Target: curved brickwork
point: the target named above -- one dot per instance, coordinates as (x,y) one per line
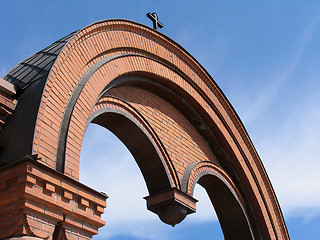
(180,139)
(111,104)
(221,189)
(196,170)
(200,123)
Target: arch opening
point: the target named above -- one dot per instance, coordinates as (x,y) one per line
(107,165)
(126,189)
(141,148)
(154,163)
(233,219)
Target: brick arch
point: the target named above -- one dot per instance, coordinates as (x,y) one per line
(222,191)
(144,144)
(107,57)
(197,170)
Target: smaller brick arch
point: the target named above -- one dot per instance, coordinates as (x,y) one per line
(221,191)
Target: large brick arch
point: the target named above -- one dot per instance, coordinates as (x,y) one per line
(162,104)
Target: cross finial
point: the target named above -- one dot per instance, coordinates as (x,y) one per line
(154,18)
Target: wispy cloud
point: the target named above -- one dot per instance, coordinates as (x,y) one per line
(292,159)
(289,147)
(251,110)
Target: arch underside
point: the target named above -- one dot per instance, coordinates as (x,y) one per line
(234,218)
(140,146)
(107,113)
(165,108)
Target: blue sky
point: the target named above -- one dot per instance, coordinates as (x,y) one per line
(265,56)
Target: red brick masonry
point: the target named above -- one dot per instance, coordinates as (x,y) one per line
(162,104)
(36,198)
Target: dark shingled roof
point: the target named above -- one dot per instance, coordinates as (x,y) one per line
(37,66)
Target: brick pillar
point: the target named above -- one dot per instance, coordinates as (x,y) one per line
(38,202)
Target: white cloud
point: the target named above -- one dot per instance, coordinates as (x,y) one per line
(106,165)
(292,160)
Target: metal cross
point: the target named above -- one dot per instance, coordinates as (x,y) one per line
(154,18)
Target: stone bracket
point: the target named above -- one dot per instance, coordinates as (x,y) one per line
(171,205)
